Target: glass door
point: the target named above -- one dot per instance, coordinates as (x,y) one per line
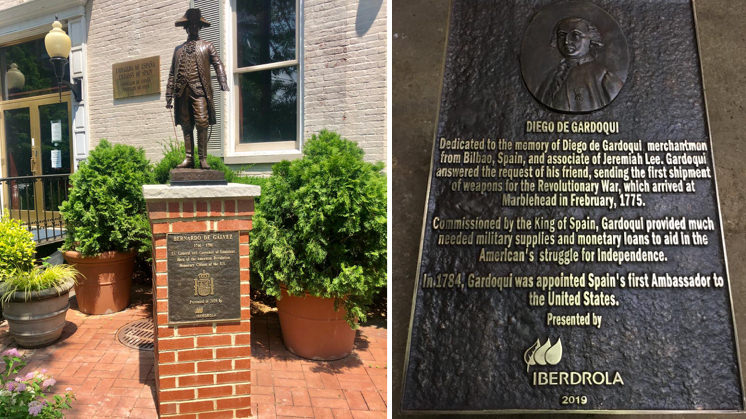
(54,148)
(36,151)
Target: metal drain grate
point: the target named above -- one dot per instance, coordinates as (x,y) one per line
(137,335)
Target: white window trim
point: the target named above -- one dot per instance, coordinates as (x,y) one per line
(35,17)
(268,152)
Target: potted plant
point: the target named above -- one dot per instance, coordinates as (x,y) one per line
(106,225)
(35,303)
(16,248)
(319,244)
(34,298)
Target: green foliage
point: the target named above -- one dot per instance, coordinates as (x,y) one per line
(36,279)
(23,396)
(320,226)
(252,180)
(106,208)
(16,247)
(173,154)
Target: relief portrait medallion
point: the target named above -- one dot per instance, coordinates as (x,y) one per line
(574,57)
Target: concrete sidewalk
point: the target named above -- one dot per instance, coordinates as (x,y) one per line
(111,380)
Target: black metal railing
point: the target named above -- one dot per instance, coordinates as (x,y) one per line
(35,200)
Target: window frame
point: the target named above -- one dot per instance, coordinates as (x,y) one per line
(268,151)
(5,65)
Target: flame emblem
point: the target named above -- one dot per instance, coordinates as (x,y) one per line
(546,354)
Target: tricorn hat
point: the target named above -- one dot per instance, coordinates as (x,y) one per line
(192,15)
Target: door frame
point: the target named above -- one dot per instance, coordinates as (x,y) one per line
(33,104)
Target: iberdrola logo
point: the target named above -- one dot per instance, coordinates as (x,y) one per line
(546,354)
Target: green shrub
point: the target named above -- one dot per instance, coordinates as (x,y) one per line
(173,154)
(320,226)
(252,180)
(16,247)
(106,208)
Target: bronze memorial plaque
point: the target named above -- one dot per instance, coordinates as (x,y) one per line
(572,253)
(203,277)
(137,78)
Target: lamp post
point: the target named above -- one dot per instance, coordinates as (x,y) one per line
(14,79)
(58,47)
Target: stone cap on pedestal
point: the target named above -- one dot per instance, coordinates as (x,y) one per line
(231,190)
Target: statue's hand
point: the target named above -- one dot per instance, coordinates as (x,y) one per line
(224,87)
(169,105)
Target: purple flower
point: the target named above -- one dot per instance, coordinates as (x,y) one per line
(12,352)
(11,385)
(34,408)
(49,382)
(21,387)
(30,375)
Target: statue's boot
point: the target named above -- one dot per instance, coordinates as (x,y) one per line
(202,147)
(188,162)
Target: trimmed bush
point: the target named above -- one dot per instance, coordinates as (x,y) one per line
(106,208)
(17,247)
(173,154)
(320,226)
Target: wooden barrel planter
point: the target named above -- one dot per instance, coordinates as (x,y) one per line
(38,320)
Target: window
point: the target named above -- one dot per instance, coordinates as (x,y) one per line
(266,72)
(25,71)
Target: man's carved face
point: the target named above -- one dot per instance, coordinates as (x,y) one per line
(573,39)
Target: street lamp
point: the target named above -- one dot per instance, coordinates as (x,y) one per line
(14,79)
(58,47)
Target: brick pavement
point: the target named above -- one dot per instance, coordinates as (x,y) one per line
(284,385)
(113,381)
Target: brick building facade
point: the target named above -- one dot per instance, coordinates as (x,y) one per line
(328,58)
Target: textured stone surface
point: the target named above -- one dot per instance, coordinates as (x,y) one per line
(231,190)
(469,344)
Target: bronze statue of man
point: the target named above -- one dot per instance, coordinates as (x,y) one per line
(189,91)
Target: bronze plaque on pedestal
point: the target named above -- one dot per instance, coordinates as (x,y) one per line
(204,283)
(137,78)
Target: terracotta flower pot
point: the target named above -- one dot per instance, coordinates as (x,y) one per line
(39,320)
(312,329)
(104,282)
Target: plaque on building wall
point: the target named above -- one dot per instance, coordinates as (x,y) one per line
(572,254)
(137,78)
(203,277)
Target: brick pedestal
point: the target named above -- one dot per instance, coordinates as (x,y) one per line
(202,370)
